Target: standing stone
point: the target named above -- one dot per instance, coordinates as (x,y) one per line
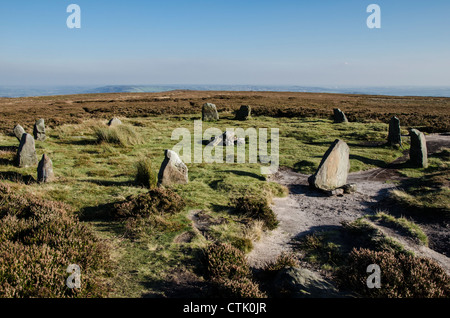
(209,112)
(333,169)
(18,132)
(228,138)
(114,122)
(45,170)
(298,282)
(339,116)
(39,130)
(26,154)
(172,170)
(394,136)
(244,112)
(418,153)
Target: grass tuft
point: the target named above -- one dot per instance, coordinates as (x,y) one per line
(119,135)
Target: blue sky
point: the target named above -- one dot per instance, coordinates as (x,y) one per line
(283,42)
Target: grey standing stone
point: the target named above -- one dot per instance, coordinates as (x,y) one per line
(26,154)
(209,112)
(394,135)
(333,169)
(45,170)
(18,132)
(418,153)
(228,138)
(240,141)
(172,170)
(339,116)
(114,122)
(297,282)
(39,130)
(244,112)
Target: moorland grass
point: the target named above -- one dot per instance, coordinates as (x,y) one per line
(92,177)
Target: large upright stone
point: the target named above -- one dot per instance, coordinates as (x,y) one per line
(333,169)
(18,132)
(394,135)
(45,170)
(39,130)
(209,112)
(244,112)
(26,154)
(114,122)
(418,153)
(172,170)
(339,116)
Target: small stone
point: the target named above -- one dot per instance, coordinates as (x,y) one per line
(418,153)
(114,122)
(18,132)
(45,170)
(244,112)
(172,170)
(335,192)
(349,188)
(26,154)
(209,112)
(339,116)
(39,130)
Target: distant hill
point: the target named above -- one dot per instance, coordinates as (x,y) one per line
(25,91)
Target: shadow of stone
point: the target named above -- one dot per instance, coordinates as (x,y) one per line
(6,162)
(177,289)
(319,143)
(370,144)
(246,174)
(306,190)
(298,166)
(79,142)
(108,183)
(220,208)
(9,148)
(179,281)
(102,212)
(315,229)
(369,161)
(17,177)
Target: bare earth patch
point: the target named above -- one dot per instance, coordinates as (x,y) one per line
(306,210)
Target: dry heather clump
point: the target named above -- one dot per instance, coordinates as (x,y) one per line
(157,201)
(227,268)
(284,260)
(402,275)
(151,210)
(39,239)
(257,208)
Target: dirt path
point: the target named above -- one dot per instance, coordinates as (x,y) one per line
(306,210)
